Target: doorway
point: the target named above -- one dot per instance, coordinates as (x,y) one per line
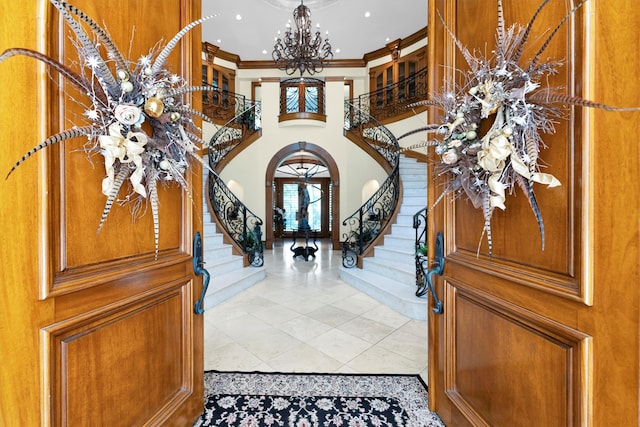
(306,159)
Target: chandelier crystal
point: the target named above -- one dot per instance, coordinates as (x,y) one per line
(297,49)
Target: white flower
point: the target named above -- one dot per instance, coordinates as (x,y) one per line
(450,157)
(127,114)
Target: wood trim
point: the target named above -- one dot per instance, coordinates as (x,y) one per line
(334,173)
(401,44)
(301,116)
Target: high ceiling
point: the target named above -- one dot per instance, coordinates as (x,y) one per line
(350,31)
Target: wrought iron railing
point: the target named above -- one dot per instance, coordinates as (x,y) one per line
(366,224)
(393,100)
(245,123)
(421,259)
(241,225)
(221,105)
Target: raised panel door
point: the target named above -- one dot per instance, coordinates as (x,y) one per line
(103,330)
(536,334)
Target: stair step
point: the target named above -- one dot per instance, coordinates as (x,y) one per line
(403,230)
(223,265)
(401,272)
(225,286)
(398,296)
(222,251)
(212,240)
(394,241)
(415,192)
(392,253)
(407,184)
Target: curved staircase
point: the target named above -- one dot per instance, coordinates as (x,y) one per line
(389,275)
(228,275)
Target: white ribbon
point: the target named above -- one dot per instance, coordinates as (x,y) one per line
(496,148)
(126,150)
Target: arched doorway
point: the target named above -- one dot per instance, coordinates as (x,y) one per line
(334,175)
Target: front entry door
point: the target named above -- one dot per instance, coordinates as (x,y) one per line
(94,329)
(532,336)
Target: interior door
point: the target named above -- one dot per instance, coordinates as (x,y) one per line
(532,336)
(95,330)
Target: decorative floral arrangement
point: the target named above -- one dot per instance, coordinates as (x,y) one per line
(124,94)
(513,103)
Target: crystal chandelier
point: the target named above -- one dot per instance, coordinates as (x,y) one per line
(298,50)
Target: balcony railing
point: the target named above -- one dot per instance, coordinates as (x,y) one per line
(371,219)
(241,126)
(393,100)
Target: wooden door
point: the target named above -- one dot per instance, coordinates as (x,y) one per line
(94,330)
(533,337)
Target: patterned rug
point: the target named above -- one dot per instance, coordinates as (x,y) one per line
(305,400)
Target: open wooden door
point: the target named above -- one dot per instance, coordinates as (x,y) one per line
(533,337)
(94,330)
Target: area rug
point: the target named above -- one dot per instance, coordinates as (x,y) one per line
(306,400)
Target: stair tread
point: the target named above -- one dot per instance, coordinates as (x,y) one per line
(408,267)
(397,289)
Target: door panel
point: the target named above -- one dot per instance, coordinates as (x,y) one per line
(152,335)
(105,333)
(492,346)
(545,335)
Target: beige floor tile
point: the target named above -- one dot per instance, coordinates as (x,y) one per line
(302,305)
(331,315)
(243,328)
(366,329)
(386,315)
(230,357)
(409,345)
(304,358)
(304,328)
(339,345)
(214,338)
(269,345)
(275,314)
(378,360)
(357,304)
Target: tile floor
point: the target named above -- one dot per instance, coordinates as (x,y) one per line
(304,318)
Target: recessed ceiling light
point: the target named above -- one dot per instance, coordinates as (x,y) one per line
(219,41)
(338,50)
(238,17)
(264,51)
(387,39)
(367,14)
